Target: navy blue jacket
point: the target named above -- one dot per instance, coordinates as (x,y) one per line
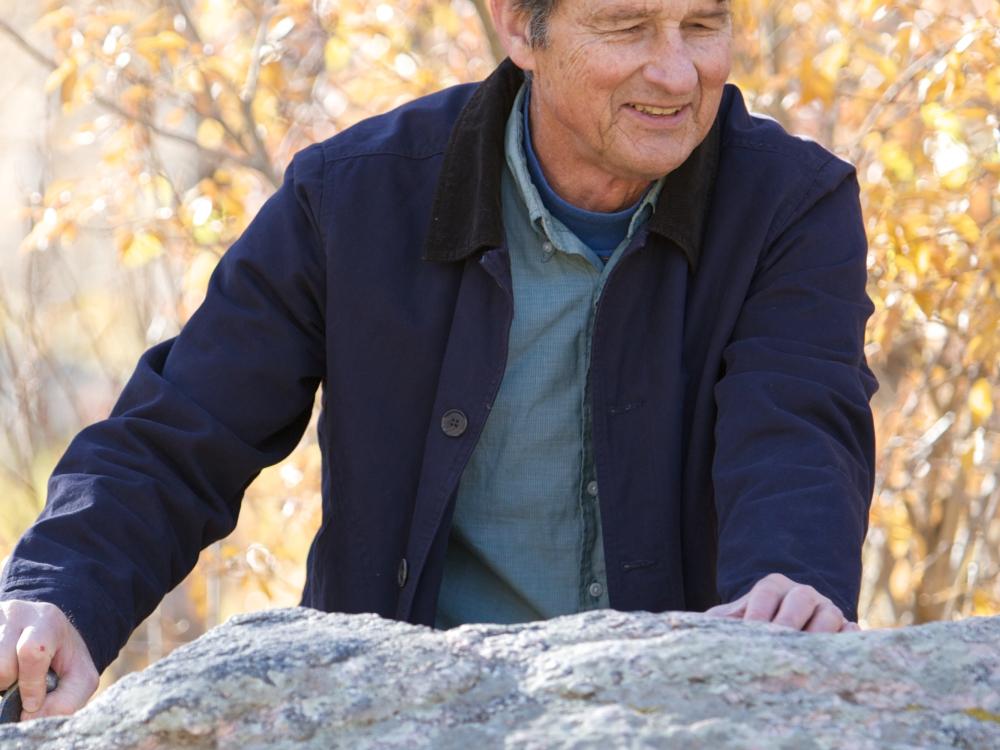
(732,432)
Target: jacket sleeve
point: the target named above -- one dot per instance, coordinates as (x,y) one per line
(795,450)
(137,496)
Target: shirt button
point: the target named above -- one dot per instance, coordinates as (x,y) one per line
(454,423)
(548,249)
(592,488)
(595,590)
(402,573)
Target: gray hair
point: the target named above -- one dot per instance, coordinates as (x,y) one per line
(538,12)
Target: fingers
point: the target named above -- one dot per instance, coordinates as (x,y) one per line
(765,598)
(35,649)
(850,627)
(8,651)
(74,689)
(827,619)
(778,599)
(35,637)
(802,605)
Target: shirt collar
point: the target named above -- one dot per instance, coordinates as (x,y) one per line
(515,143)
(466,215)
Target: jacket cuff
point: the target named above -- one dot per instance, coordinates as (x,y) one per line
(87,608)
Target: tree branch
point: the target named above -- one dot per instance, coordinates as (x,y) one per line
(247,95)
(483,10)
(31,50)
(892,92)
(138,119)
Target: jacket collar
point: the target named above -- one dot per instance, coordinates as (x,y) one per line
(467,216)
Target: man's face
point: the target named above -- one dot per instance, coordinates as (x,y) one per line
(627,88)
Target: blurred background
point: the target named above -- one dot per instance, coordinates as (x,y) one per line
(138,138)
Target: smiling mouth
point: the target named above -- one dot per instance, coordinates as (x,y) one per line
(656,111)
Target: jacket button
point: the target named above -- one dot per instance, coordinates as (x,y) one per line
(454,423)
(402,573)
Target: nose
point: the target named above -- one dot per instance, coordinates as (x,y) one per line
(670,65)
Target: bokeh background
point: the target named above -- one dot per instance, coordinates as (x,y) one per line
(138,137)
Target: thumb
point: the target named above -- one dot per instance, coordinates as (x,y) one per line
(75,687)
(78,680)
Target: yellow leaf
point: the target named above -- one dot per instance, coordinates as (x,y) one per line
(941,119)
(993,84)
(966,227)
(144,247)
(957,178)
(68,89)
(814,85)
(922,258)
(925,301)
(336,54)
(171,40)
(150,23)
(900,583)
(897,161)
(58,76)
(830,61)
(885,64)
(210,134)
(981,401)
(60,18)
(446,18)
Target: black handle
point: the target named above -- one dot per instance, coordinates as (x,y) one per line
(10,704)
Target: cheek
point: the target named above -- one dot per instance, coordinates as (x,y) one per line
(714,63)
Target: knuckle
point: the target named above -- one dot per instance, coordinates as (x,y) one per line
(30,656)
(803,591)
(49,615)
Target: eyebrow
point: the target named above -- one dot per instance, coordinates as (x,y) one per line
(631,12)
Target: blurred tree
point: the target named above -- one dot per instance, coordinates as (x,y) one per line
(196,105)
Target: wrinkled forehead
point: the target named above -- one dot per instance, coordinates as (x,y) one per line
(638,8)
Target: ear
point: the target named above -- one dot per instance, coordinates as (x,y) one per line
(511,25)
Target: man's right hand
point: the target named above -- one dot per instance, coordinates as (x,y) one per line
(35,636)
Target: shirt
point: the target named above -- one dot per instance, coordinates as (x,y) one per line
(526,538)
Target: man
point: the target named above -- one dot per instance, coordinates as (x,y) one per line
(588,339)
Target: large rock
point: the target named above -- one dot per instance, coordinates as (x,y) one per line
(298,678)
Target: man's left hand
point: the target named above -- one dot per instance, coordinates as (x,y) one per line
(778,599)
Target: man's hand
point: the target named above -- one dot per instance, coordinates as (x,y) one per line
(33,637)
(778,599)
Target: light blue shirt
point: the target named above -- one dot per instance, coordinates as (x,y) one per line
(526,537)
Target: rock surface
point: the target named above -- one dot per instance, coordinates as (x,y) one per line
(297,678)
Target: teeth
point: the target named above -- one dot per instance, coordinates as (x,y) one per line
(657,110)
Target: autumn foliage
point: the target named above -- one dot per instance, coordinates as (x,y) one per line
(186,111)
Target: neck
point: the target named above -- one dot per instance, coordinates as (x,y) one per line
(580,184)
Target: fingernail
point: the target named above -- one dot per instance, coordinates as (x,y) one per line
(31,705)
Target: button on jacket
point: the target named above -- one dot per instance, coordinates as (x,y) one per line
(728,390)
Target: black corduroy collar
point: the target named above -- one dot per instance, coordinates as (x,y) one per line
(467,216)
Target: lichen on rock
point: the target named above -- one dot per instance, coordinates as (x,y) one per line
(297,678)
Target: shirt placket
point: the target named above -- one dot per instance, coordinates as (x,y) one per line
(592,589)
